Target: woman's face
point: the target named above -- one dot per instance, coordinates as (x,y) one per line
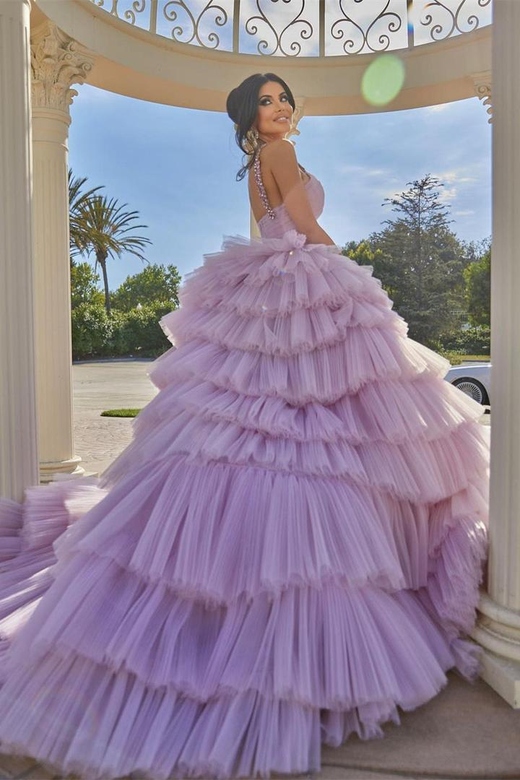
(273,119)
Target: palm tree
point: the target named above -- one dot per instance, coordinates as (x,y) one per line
(105,231)
(77,200)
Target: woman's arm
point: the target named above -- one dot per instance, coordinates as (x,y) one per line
(280,158)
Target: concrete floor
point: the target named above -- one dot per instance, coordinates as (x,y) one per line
(117,384)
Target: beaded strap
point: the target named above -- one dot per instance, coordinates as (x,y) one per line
(261,189)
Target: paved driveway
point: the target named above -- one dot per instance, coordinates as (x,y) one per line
(102,385)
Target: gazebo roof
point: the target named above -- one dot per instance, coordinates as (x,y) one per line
(192,52)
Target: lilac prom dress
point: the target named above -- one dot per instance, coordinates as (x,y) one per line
(288,552)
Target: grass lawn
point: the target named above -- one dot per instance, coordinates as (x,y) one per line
(120,413)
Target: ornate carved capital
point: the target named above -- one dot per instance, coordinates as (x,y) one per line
(57,61)
(483,84)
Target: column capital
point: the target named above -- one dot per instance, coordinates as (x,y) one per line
(483,89)
(57,62)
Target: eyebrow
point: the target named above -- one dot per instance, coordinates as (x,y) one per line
(283,92)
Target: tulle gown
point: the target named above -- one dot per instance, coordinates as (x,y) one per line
(288,552)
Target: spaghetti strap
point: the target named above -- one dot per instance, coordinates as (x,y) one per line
(260,184)
(261,189)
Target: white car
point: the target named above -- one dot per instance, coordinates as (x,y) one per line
(474,380)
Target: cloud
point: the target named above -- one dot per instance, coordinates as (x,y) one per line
(363,170)
(455,176)
(447,194)
(377,172)
(437,109)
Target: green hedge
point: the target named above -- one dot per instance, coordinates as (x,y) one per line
(122,334)
(474,340)
(138,333)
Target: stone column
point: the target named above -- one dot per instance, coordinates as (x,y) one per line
(57,62)
(18,431)
(498,629)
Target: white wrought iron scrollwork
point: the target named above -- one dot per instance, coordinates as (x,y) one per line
(285,31)
(132,11)
(191,30)
(444,18)
(358,32)
(303,28)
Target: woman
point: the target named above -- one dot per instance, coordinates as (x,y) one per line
(290,549)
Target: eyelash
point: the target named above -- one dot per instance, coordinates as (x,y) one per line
(266,101)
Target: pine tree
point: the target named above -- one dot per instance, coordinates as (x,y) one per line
(420,261)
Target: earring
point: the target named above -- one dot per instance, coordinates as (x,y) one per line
(251,141)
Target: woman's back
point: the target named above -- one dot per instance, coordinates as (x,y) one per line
(276,220)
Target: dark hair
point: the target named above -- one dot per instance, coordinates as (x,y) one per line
(242,108)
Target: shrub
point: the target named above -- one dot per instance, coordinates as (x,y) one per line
(141,333)
(474,340)
(92,331)
(95,334)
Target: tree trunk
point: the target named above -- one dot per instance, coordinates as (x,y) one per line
(103,263)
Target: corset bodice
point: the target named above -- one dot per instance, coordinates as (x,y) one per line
(276,227)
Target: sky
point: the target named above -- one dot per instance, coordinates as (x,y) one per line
(177,168)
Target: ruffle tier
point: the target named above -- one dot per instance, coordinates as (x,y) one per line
(153,733)
(392,411)
(27,574)
(419,469)
(288,551)
(317,328)
(301,330)
(217,532)
(151,622)
(274,277)
(323,375)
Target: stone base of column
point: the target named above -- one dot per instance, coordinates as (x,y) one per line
(498,632)
(503,676)
(70,467)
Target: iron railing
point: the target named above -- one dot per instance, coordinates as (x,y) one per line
(303,28)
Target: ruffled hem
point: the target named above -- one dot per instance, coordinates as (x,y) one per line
(164,735)
(85,669)
(319,326)
(300,331)
(27,575)
(418,470)
(277,276)
(393,411)
(301,647)
(158,731)
(177,530)
(226,531)
(324,375)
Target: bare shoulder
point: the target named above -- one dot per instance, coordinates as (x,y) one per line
(280,152)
